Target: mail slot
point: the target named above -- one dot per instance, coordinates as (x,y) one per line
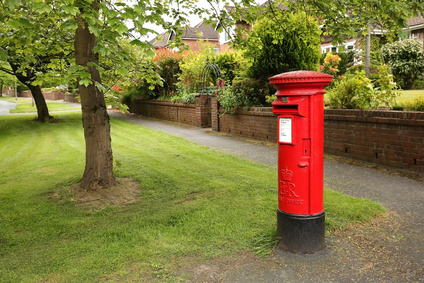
(300,109)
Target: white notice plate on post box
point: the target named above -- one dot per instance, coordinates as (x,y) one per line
(285,130)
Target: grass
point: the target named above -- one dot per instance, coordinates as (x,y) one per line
(408,95)
(25,105)
(195,204)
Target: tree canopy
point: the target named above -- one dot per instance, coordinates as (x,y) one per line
(346,18)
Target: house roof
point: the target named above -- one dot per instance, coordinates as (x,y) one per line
(416,21)
(199,31)
(161,40)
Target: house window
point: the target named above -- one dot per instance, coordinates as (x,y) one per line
(229,31)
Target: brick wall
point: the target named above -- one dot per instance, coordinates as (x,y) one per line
(190,113)
(390,138)
(53,95)
(256,123)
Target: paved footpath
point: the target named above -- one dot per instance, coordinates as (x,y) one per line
(6,106)
(389,249)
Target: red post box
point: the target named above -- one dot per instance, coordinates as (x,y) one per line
(300,109)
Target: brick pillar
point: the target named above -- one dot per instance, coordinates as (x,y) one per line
(202,111)
(214,114)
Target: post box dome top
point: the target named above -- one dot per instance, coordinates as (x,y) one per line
(300,83)
(300,77)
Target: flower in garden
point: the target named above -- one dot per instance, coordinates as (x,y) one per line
(117,88)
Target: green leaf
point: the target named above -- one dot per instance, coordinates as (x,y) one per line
(94,30)
(71,10)
(100,87)
(138,43)
(91,64)
(3,54)
(69,25)
(121,29)
(41,7)
(38,6)
(121,71)
(83,75)
(75,68)
(12,4)
(85,81)
(25,22)
(150,53)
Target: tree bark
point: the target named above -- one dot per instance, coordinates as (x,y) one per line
(98,157)
(40,102)
(42,109)
(367,57)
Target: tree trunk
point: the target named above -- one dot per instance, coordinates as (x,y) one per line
(98,156)
(367,57)
(40,102)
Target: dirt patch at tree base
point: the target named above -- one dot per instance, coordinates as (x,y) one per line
(124,192)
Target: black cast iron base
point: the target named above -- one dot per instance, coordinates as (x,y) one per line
(301,234)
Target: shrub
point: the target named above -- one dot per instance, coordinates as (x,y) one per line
(144,84)
(345,63)
(227,98)
(21,87)
(415,105)
(386,90)
(252,92)
(358,92)
(168,63)
(231,64)
(352,92)
(134,92)
(418,84)
(330,64)
(283,42)
(279,42)
(192,64)
(406,60)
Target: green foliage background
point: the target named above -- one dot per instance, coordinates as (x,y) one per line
(406,60)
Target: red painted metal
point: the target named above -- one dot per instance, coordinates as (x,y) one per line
(300,106)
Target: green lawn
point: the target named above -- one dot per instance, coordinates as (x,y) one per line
(25,105)
(406,95)
(195,204)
